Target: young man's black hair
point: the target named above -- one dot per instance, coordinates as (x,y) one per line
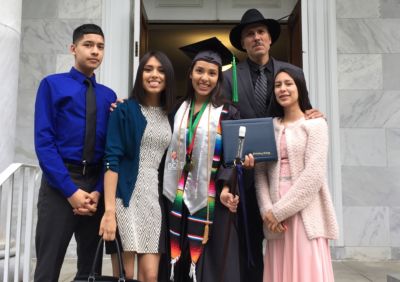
(80,31)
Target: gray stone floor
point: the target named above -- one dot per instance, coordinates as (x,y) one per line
(69,269)
(345,271)
(356,271)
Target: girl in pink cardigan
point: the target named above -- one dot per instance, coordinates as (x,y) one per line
(292,193)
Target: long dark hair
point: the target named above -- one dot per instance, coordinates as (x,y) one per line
(167,98)
(217,99)
(300,82)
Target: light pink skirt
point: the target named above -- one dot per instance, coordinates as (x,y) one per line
(295,258)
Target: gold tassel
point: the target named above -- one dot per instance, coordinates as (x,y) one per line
(205,237)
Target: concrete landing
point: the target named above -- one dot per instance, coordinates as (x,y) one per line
(344,271)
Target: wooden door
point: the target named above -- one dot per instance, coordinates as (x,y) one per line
(140,34)
(295,35)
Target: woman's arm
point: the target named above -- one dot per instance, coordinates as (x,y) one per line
(114,152)
(108,225)
(225,177)
(115,140)
(311,178)
(262,188)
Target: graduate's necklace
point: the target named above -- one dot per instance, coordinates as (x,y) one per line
(187,167)
(192,129)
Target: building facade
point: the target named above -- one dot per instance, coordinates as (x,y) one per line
(351,59)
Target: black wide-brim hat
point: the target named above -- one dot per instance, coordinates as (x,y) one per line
(253,16)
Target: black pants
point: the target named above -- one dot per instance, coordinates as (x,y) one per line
(56,225)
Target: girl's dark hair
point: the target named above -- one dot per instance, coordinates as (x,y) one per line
(217,99)
(300,82)
(167,98)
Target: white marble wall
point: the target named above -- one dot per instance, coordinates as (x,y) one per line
(368,38)
(10,37)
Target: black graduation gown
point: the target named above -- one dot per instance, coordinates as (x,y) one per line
(212,260)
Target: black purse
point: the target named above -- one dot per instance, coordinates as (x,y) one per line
(93,277)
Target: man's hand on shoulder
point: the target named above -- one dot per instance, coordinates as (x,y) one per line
(313,113)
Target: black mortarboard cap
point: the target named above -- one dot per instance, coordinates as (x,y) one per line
(211,50)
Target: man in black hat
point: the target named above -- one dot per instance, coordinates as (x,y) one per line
(255,77)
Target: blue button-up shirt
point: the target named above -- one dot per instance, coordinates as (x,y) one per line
(60,118)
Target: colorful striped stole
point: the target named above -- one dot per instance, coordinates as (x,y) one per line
(197,223)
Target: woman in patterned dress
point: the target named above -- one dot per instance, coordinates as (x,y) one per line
(292,193)
(139,132)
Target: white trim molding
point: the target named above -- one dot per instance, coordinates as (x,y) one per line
(137,13)
(320,67)
(179,3)
(256,3)
(116,23)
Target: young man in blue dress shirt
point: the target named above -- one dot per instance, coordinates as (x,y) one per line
(69,197)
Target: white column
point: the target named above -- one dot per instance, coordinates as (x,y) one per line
(10,37)
(116,68)
(320,68)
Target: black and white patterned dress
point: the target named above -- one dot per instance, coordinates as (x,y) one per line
(140,225)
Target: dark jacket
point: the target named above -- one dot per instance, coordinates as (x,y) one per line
(247,102)
(247,109)
(126,126)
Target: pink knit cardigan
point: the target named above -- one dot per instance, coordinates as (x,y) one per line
(307,146)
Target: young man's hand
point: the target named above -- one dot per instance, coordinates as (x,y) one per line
(91,204)
(78,199)
(84,203)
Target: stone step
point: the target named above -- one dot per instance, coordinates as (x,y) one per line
(393,277)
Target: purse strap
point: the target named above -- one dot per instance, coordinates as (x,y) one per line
(92,277)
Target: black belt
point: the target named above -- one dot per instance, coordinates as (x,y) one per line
(83,168)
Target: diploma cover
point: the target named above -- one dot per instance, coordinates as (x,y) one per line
(259,139)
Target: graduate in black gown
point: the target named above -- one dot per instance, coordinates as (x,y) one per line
(196,182)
